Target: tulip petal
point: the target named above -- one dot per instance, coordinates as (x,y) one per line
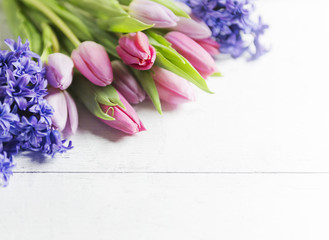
(56,99)
(84,69)
(152,13)
(73,119)
(97,60)
(171,87)
(59,70)
(192,28)
(125,120)
(142,42)
(128,44)
(193,52)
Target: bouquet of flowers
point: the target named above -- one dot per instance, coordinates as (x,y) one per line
(109,54)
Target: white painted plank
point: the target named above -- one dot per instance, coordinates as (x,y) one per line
(165,206)
(269,115)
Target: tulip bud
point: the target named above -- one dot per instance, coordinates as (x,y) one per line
(59,70)
(193,28)
(193,52)
(172,88)
(126,120)
(65,117)
(126,84)
(92,60)
(210,45)
(134,49)
(151,13)
(108,105)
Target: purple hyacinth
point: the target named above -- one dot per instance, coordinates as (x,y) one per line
(25,116)
(230,21)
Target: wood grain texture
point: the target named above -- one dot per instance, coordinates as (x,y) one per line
(165,206)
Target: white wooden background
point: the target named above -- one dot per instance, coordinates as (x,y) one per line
(249,162)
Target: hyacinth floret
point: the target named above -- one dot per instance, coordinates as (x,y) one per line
(25,116)
(230,21)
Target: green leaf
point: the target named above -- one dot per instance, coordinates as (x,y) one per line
(123,24)
(186,71)
(147,82)
(10,8)
(125,2)
(76,25)
(92,96)
(173,7)
(33,35)
(20,26)
(47,38)
(170,59)
(111,16)
(108,40)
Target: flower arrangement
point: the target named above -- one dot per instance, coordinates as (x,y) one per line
(108,54)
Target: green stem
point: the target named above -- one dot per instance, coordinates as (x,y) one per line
(55,19)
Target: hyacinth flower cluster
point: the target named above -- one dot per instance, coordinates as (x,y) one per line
(231,21)
(25,115)
(109,55)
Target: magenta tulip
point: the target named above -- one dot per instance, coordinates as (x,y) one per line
(134,49)
(126,120)
(65,117)
(193,52)
(59,70)
(172,88)
(92,60)
(151,13)
(210,45)
(126,84)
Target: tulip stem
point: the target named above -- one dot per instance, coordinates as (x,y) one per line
(55,19)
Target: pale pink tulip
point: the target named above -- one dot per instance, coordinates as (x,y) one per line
(125,120)
(65,117)
(172,88)
(126,84)
(92,60)
(210,45)
(59,70)
(73,119)
(151,13)
(193,28)
(134,49)
(193,52)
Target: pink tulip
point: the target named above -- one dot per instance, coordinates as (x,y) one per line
(172,88)
(193,28)
(151,13)
(65,117)
(125,120)
(134,49)
(193,52)
(210,45)
(126,84)
(92,61)
(59,70)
